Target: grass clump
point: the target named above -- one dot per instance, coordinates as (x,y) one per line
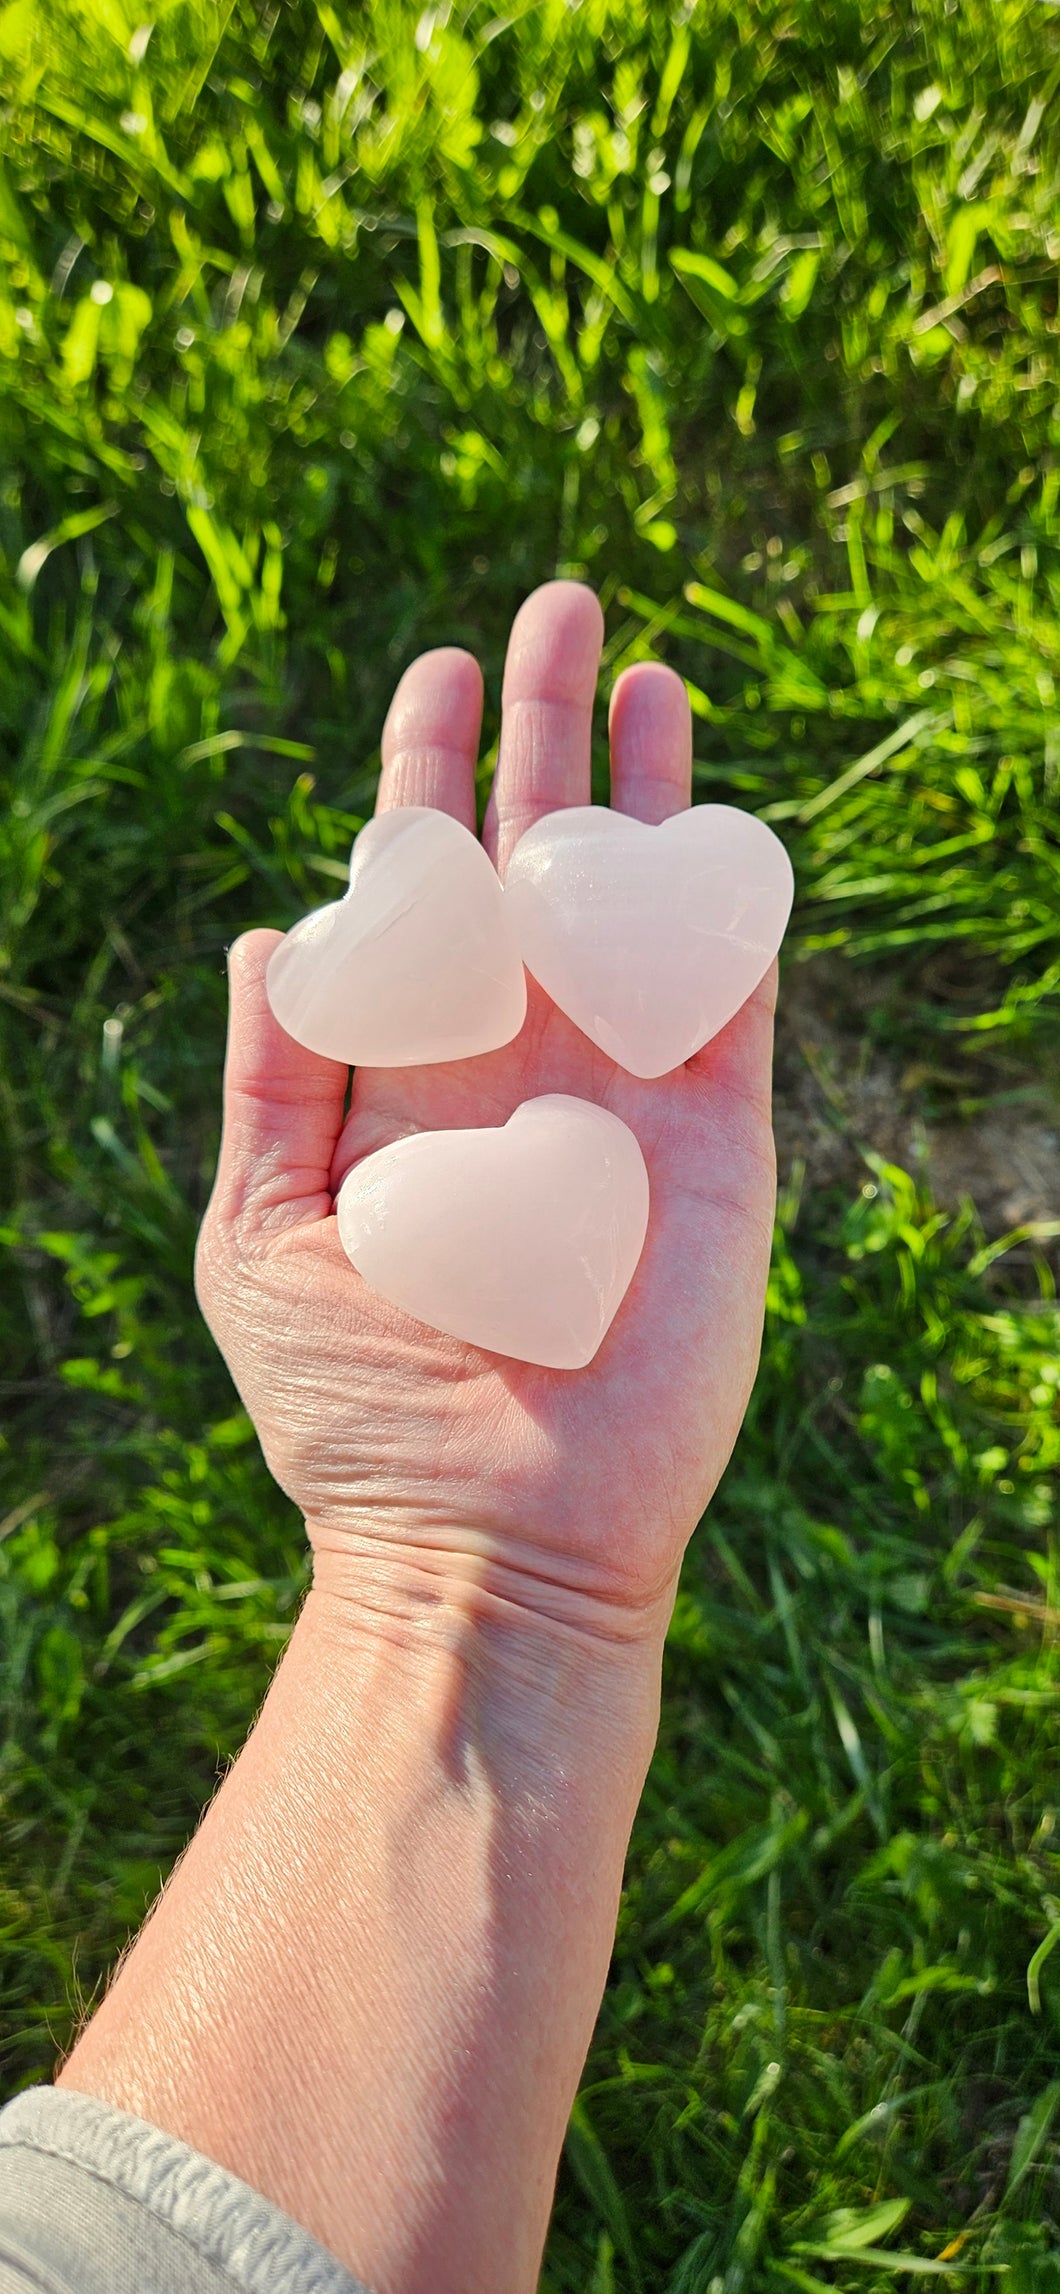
(323,336)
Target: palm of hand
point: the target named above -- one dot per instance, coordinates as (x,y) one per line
(575,1490)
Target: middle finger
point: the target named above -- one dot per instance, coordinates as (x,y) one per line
(547,712)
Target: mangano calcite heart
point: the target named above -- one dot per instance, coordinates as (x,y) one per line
(648,938)
(522,1239)
(417,962)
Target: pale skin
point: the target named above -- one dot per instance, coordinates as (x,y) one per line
(371,1984)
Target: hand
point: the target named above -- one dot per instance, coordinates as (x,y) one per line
(416,1458)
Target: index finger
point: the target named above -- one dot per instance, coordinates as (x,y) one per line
(431,734)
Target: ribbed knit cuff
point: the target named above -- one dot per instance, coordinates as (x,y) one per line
(91,2197)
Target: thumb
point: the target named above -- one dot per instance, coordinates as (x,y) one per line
(282,1107)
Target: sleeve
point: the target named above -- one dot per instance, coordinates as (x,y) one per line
(93,2201)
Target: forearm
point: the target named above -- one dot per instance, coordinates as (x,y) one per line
(370,1986)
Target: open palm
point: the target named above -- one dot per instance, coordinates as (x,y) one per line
(570,1493)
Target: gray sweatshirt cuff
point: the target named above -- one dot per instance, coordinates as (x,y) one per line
(93,2201)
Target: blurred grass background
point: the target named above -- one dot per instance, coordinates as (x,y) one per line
(326,331)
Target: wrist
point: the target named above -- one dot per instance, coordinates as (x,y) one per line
(413,1574)
(528,1686)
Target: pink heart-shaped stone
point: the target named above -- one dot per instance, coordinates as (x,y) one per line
(417,962)
(649,938)
(522,1239)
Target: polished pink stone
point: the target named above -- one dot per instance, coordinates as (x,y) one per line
(522,1239)
(417,962)
(649,939)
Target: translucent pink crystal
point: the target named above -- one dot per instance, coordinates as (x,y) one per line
(523,1240)
(649,938)
(417,962)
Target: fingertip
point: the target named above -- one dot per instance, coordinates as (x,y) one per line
(247,958)
(648,684)
(445,682)
(555,644)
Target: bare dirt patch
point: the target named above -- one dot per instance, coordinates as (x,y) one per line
(977,1125)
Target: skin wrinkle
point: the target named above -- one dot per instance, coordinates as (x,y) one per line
(302,1440)
(413,775)
(535,735)
(483,1586)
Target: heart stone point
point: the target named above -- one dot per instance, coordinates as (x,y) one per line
(417,962)
(521,1239)
(650,939)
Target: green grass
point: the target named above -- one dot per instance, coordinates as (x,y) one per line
(324,334)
